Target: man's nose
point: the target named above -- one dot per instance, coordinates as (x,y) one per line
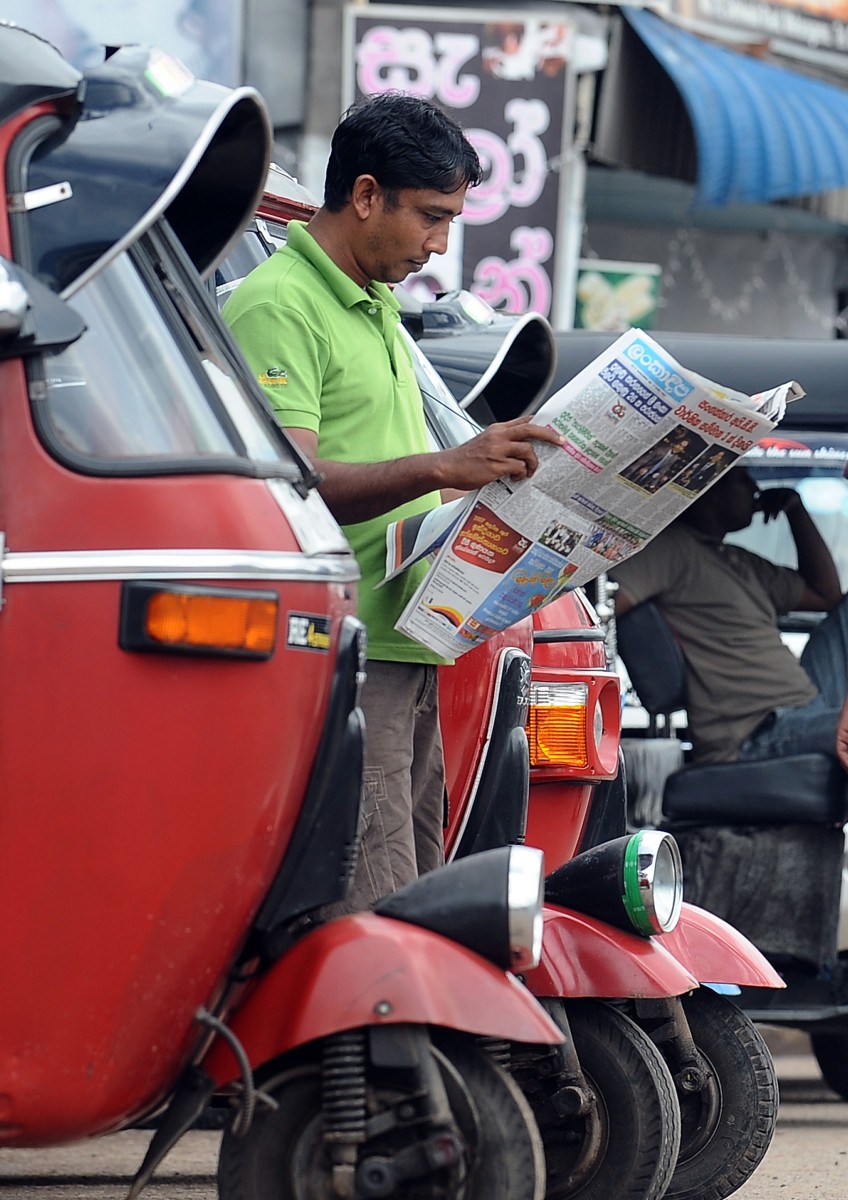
(437,240)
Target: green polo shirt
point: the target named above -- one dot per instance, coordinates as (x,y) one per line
(330,358)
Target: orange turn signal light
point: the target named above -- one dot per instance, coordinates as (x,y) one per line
(222,621)
(199,620)
(557,725)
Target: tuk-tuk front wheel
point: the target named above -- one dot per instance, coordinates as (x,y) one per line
(626,1145)
(285,1156)
(727,1126)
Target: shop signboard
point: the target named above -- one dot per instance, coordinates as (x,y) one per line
(509,83)
(817,25)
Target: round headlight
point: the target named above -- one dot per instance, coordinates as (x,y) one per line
(653,881)
(490,902)
(634,882)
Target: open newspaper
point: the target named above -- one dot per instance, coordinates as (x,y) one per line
(643,437)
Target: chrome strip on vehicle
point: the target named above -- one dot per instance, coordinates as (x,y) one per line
(56,566)
(568,635)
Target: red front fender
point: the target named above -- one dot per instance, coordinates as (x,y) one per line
(716,952)
(585,957)
(370,970)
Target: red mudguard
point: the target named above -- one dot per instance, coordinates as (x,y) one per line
(369,970)
(585,957)
(716,952)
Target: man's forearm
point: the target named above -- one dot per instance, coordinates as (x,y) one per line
(815,563)
(356,492)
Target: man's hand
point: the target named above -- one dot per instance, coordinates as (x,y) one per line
(842,736)
(505,448)
(773,501)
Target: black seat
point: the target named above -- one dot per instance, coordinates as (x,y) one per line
(801,789)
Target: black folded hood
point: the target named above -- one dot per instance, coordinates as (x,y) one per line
(146,139)
(31,71)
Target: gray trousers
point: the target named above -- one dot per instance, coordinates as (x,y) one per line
(403,794)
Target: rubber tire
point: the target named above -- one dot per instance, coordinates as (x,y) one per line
(508,1159)
(831,1053)
(636,1106)
(738,1135)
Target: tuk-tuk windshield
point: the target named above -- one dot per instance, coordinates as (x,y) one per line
(150,387)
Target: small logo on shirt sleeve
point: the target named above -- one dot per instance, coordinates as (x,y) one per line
(274,377)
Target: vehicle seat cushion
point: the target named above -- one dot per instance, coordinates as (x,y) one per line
(803,789)
(653,658)
(779,885)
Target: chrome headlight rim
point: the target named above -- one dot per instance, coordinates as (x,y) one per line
(525,903)
(653,882)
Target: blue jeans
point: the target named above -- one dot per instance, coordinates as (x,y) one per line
(812,727)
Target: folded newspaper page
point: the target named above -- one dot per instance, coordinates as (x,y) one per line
(416,537)
(643,437)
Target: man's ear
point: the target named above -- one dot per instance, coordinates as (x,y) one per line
(365,196)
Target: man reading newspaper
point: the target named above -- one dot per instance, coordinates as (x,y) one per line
(748,696)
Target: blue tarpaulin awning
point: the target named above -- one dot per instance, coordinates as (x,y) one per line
(762,132)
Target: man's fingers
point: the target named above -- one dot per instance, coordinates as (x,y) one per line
(544,433)
(527,430)
(523,463)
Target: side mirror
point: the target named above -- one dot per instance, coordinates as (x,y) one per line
(32,318)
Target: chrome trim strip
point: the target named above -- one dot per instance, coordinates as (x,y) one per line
(568,635)
(57,566)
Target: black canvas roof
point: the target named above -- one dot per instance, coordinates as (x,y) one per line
(742,363)
(144,139)
(31,70)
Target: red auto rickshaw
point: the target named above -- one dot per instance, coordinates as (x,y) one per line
(173,826)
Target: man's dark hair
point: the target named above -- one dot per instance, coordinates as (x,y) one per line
(404,142)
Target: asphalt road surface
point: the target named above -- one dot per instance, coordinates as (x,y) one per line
(808,1159)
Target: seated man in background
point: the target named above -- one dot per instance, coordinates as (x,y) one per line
(749,697)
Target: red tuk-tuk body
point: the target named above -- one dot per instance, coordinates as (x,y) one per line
(180,763)
(127,843)
(159,753)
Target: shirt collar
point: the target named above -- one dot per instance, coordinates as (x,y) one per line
(707,539)
(344,288)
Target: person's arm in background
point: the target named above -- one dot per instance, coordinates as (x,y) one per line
(621,601)
(842,736)
(815,562)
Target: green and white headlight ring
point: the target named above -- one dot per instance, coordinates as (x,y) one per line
(653,881)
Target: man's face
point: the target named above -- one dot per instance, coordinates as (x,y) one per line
(399,238)
(735,498)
